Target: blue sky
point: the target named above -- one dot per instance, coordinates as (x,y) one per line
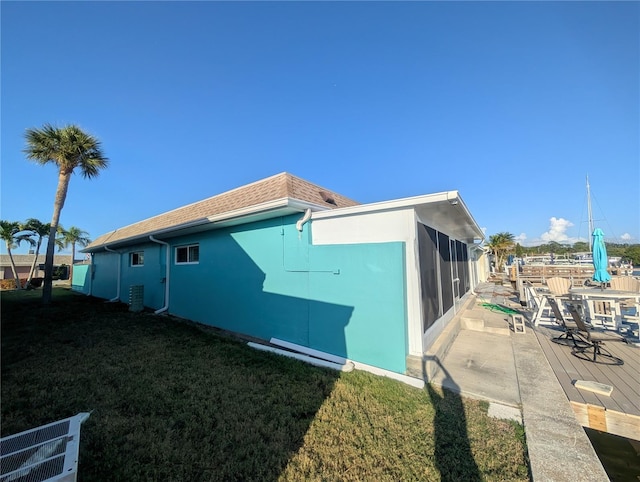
(511,103)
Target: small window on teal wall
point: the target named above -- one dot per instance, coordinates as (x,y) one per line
(188,254)
(136,258)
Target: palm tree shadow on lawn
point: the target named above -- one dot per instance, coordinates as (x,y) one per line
(453,456)
(170,401)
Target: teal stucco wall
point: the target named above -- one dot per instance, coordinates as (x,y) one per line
(265,279)
(81,278)
(151,274)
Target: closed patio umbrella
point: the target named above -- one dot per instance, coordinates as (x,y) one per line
(600,260)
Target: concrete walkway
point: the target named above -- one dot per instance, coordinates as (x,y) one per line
(488,361)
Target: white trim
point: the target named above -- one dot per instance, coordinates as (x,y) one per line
(309,351)
(305,358)
(408,202)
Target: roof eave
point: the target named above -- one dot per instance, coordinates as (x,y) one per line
(270,209)
(448,205)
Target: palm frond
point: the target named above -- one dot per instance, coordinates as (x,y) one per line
(68,147)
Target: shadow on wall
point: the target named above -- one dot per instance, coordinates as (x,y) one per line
(247,283)
(452,447)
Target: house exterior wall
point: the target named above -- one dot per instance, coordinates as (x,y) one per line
(81,279)
(151,274)
(382,227)
(105,275)
(388,226)
(22,271)
(266,279)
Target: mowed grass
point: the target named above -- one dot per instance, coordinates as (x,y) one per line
(173,402)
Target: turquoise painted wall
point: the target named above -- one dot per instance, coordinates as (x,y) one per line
(81,278)
(105,272)
(267,280)
(151,274)
(371,280)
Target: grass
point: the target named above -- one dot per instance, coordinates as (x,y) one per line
(172,402)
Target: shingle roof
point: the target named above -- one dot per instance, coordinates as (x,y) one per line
(280,186)
(27,259)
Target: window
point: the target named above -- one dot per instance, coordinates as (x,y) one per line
(136,258)
(188,254)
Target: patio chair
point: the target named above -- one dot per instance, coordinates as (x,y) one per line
(571,331)
(603,311)
(629,309)
(625,283)
(537,302)
(559,288)
(596,341)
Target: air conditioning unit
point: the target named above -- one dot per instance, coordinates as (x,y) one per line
(46,453)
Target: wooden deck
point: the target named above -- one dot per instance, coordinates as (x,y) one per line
(618,413)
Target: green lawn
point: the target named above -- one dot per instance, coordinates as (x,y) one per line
(173,402)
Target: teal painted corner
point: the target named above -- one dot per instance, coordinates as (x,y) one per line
(81,281)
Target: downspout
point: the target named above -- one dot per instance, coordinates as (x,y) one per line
(91,268)
(304,219)
(166,276)
(117,297)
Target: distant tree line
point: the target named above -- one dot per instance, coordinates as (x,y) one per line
(503,244)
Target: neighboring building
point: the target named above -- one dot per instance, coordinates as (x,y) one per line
(23,264)
(285,258)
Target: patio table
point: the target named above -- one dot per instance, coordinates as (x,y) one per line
(590,295)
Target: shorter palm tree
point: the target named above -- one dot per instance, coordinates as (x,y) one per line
(13,234)
(39,230)
(501,244)
(73,236)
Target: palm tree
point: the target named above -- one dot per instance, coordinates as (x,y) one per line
(68,148)
(12,234)
(73,236)
(40,230)
(501,244)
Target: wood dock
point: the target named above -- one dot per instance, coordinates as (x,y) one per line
(539,274)
(617,413)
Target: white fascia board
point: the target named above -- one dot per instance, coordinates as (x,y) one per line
(451,198)
(387,205)
(238,216)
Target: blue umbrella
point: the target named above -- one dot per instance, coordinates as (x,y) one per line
(600,260)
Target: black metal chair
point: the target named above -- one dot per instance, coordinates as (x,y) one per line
(571,331)
(596,340)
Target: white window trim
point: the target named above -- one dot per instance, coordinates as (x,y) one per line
(186,246)
(131,259)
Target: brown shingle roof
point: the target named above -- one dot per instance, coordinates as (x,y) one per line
(27,259)
(280,186)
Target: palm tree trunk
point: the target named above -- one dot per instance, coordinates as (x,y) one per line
(35,260)
(13,268)
(61,195)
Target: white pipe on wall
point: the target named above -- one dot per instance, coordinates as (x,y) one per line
(117,297)
(166,276)
(304,219)
(309,359)
(91,274)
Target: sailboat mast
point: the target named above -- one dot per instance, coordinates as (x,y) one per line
(589,214)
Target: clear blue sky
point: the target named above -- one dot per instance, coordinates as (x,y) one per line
(511,103)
